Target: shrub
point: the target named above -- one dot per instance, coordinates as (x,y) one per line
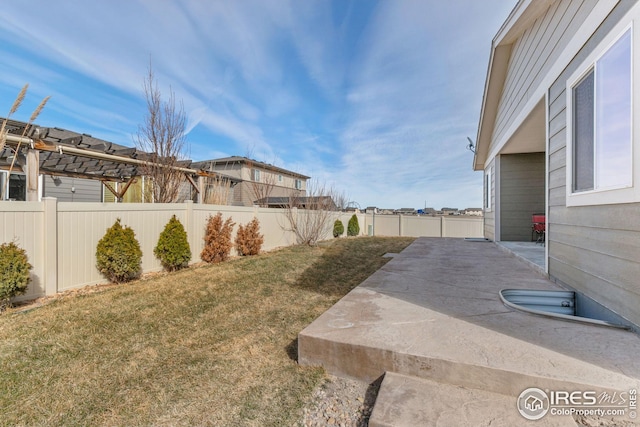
(118,255)
(248,239)
(353,228)
(338,228)
(173,249)
(14,272)
(217,239)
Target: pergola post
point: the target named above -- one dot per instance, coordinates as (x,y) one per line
(32,172)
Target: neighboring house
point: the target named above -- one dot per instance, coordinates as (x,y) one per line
(255,181)
(405,211)
(450,211)
(559,134)
(301,202)
(472,211)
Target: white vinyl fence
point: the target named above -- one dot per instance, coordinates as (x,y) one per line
(61,238)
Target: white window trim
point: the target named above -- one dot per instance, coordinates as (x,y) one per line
(607,196)
(487,190)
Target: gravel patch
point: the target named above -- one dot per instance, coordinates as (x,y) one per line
(340,402)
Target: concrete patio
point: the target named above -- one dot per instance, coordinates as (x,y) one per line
(451,353)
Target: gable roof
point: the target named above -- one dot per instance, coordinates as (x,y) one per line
(225,161)
(521,17)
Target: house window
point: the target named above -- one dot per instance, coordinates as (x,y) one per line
(602,122)
(255,175)
(15,188)
(298,184)
(279,178)
(487,191)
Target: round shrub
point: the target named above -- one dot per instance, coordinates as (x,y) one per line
(353,228)
(173,249)
(217,239)
(248,238)
(118,255)
(338,228)
(14,272)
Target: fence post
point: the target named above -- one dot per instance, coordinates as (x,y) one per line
(189,224)
(399,225)
(50,244)
(442,230)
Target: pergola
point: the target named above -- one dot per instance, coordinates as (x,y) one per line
(59,152)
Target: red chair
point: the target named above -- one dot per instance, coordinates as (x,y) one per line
(538,227)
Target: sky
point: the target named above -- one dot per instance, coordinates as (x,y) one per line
(373,98)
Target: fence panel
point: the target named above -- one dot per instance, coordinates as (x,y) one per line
(462,227)
(22,223)
(81,225)
(61,238)
(420,226)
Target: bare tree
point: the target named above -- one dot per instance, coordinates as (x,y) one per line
(261,184)
(310,217)
(162,135)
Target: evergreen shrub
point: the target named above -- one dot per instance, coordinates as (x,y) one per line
(338,228)
(353,228)
(173,249)
(118,254)
(14,272)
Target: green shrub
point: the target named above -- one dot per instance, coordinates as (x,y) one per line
(14,272)
(217,239)
(118,255)
(338,228)
(353,228)
(173,249)
(248,239)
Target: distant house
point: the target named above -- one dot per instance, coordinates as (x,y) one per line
(256,181)
(405,211)
(559,134)
(300,202)
(450,211)
(472,211)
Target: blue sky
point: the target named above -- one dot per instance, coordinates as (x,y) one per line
(373,97)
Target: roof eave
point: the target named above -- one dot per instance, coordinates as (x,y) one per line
(521,17)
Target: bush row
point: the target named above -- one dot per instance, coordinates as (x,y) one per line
(119,257)
(353,227)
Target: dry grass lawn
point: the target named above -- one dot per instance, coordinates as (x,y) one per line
(214,345)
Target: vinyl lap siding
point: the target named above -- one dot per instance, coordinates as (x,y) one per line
(522,187)
(67,189)
(593,249)
(533,54)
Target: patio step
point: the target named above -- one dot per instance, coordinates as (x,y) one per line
(433,312)
(405,401)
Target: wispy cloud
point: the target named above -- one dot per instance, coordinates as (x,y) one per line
(374,96)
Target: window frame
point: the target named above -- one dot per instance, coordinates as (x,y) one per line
(487,190)
(7,186)
(626,193)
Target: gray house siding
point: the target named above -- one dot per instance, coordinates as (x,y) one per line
(592,249)
(534,53)
(522,193)
(67,189)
